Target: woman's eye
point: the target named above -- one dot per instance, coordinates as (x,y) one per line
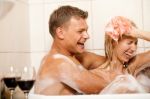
(132,42)
(136,42)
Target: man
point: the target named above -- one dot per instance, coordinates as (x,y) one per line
(60,72)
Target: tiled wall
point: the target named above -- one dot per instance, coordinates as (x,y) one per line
(24,33)
(14,35)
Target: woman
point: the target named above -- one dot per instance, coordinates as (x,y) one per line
(121,38)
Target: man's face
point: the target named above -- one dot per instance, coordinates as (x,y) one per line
(126,49)
(75,35)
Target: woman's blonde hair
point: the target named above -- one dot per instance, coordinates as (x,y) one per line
(110,40)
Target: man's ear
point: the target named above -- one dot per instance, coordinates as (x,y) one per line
(59,33)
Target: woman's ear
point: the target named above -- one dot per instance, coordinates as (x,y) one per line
(60,33)
(114,43)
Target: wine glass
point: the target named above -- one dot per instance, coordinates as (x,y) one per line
(26,80)
(1,87)
(10,80)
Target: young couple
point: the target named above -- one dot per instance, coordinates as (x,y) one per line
(68,69)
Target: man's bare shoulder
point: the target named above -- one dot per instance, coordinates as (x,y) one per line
(55,63)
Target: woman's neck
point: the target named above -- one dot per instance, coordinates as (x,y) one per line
(116,64)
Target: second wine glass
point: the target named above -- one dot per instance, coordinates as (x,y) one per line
(27,80)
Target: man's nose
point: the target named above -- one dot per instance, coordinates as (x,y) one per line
(86,35)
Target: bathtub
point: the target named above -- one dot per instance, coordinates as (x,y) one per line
(108,96)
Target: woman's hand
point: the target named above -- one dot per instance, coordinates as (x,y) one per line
(137,33)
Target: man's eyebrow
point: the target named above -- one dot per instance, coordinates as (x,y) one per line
(84,28)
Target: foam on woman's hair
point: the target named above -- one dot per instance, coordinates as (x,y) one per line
(118,26)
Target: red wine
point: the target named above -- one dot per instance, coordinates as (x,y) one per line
(25,85)
(10,82)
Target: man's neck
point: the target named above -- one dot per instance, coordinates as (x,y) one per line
(59,48)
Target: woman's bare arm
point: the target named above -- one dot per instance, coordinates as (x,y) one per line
(141,58)
(145,35)
(139,63)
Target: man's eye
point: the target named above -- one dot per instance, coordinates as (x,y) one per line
(130,42)
(80,32)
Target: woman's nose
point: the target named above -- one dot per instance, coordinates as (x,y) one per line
(134,47)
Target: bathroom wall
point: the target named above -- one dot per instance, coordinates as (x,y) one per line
(14,35)
(24,36)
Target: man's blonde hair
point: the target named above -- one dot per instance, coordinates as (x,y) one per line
(62,15)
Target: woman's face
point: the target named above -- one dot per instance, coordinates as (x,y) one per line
(125,49)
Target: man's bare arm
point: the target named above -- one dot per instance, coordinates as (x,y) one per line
(80,79)
(90,60)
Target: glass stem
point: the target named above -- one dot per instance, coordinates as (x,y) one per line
(11,94)
(26,95)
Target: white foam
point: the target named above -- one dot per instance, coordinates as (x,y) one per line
(123,84)
(68,60)
(58,56)
(67,76)
(69,81)
(42,84)
(144,81)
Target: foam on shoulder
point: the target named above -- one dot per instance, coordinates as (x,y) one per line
(66,59)
(44,83)
(67,76)
(60,56)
